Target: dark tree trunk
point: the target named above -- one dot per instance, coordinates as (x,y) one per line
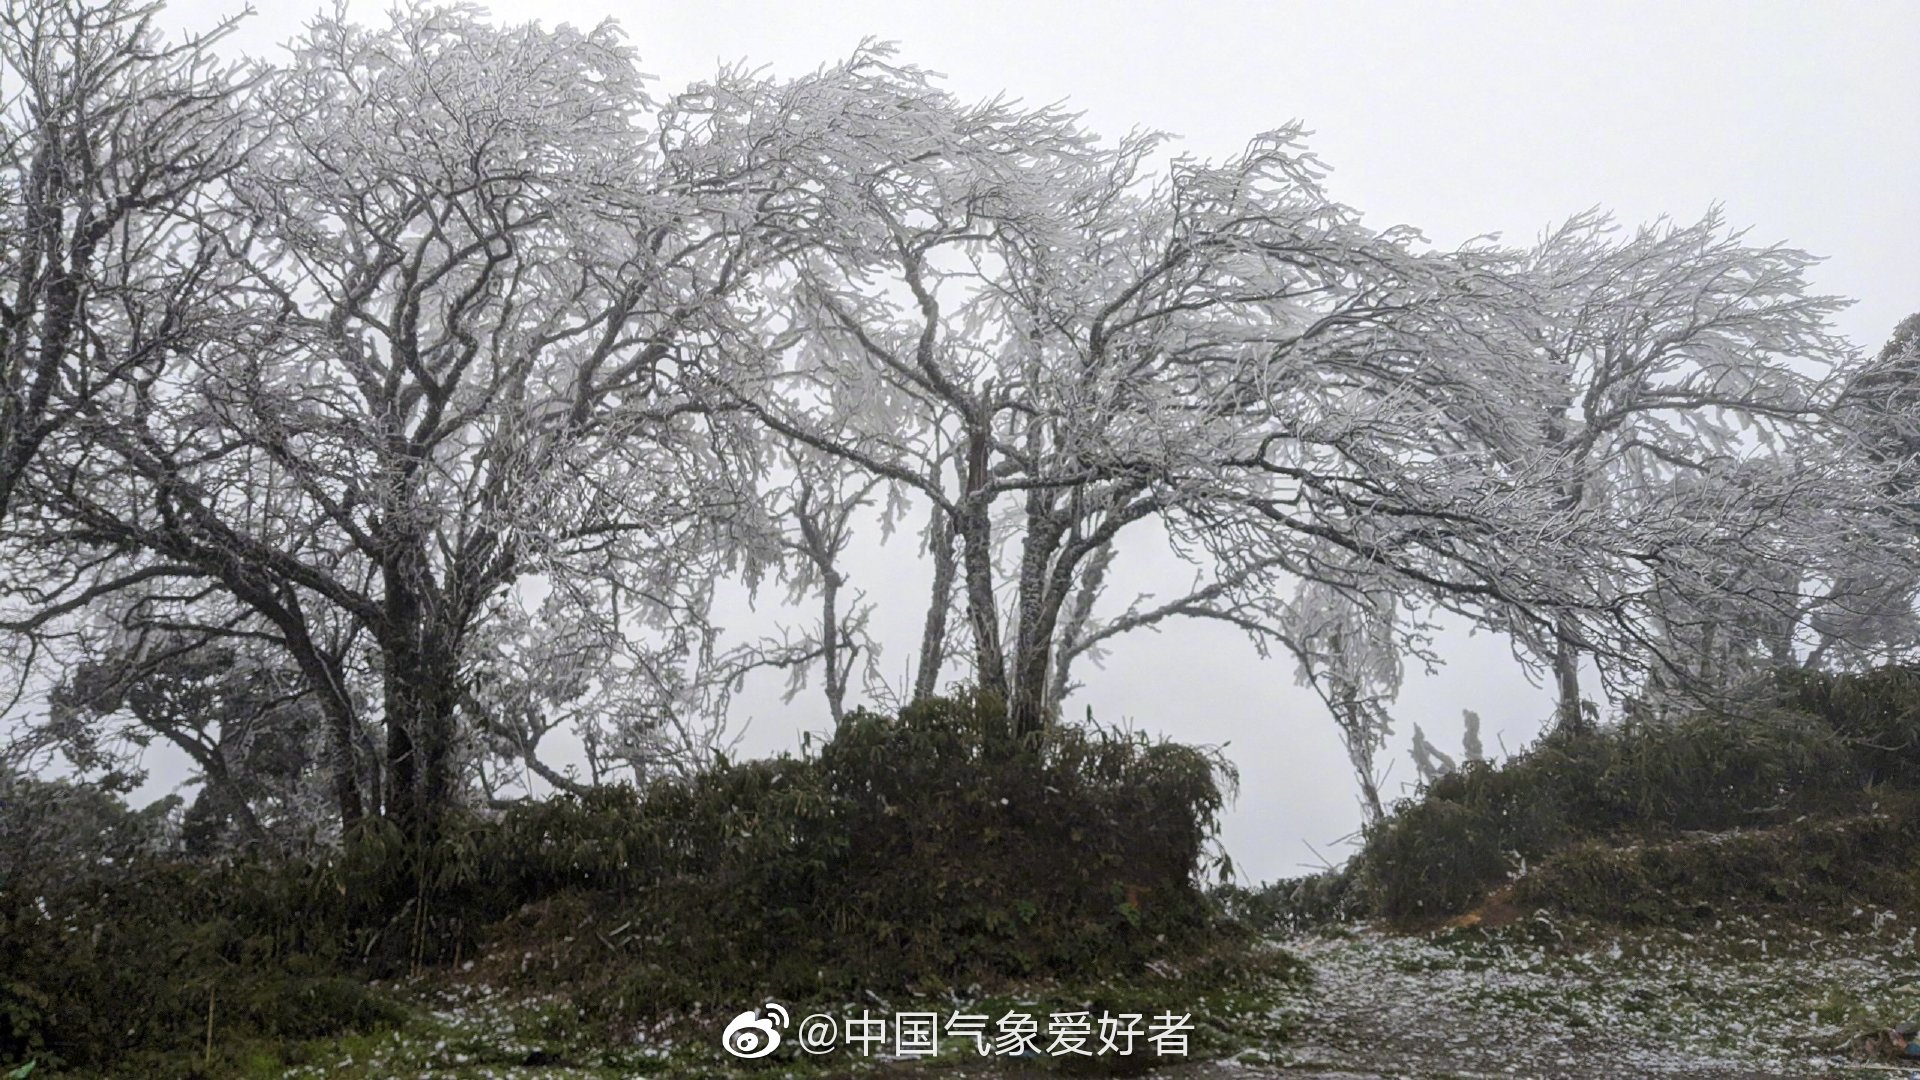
(835,655)
(1079,613)
(324,677)
(329,684)
(983,612)
(933,639)
(421,699)
(1570,717)
(976,535)
(419,656)
(1045,571)
(341,737)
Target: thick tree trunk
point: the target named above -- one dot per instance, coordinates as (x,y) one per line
(1043,579)
(419,657)
(1027,710)
(420,704)
(976,536)
(340,749)
(1570,717)
(983,613)
(933,639)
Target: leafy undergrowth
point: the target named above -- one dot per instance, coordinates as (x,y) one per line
(1817,870)
(458,1027)
(1733,997)
(1798,808)
(1539,996)
(929,851)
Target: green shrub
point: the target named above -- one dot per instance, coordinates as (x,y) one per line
(1291,905)
(921,850)
(108,969)
(1831,870)
(1830,740)
(54,833)
(1877,713)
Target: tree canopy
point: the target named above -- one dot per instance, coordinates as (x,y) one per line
(436,374)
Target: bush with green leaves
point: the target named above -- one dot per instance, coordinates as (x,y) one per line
(1876,712)
(1292,905)
(1830,870)
(148,961)
(1822,747)
(926,850)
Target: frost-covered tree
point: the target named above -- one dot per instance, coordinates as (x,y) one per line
(1683,366)
(1431,763)
(478,295)
(817,504)
(1347,654)
(239,712)
(1874,448)
(113,142)
(509,364)
(1880,401)
(1050,340)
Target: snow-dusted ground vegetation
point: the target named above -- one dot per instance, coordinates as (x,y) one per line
(1726,999)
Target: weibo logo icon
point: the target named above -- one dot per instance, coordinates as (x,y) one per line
(751,1035)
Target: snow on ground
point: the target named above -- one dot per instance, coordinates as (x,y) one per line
(1740,998)
(1734,999)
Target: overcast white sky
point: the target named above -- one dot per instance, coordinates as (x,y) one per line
(1457,118)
